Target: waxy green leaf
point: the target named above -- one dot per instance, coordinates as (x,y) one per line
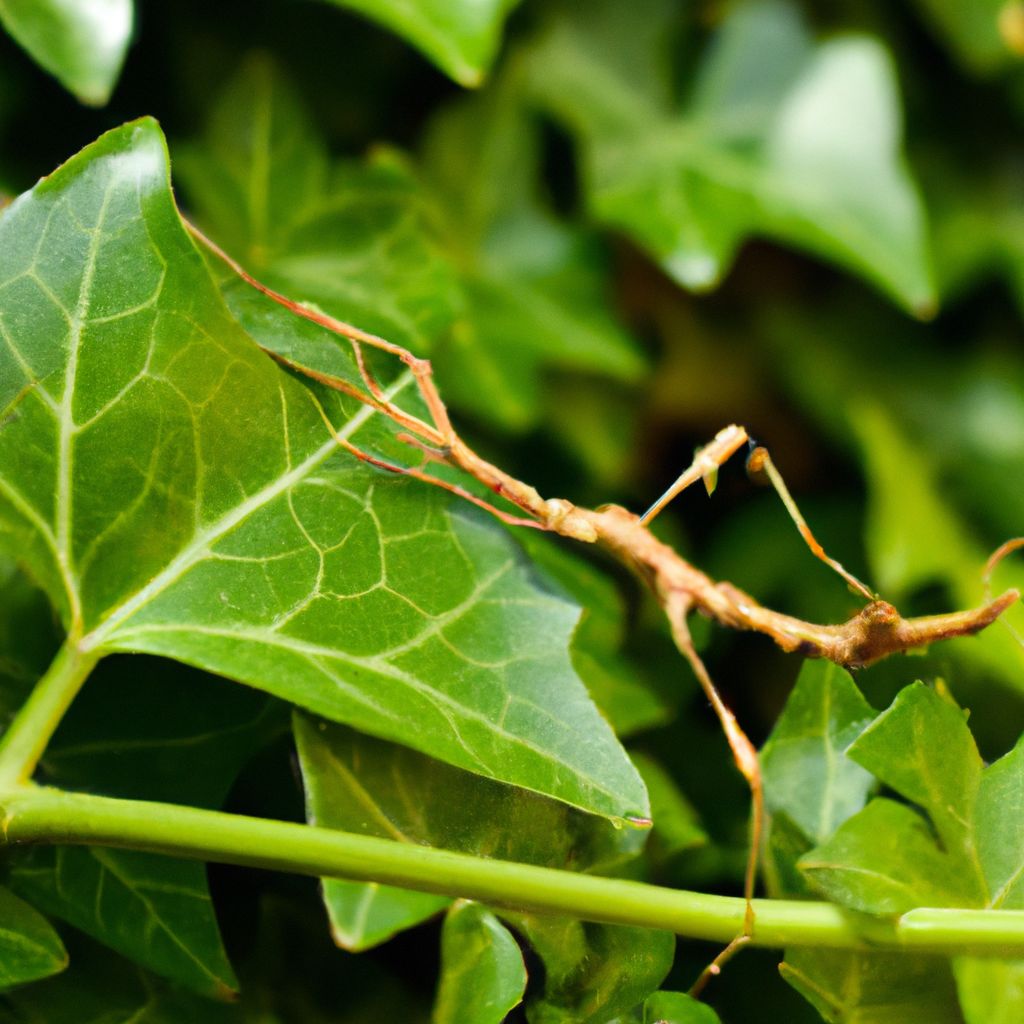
(360,784)
(482,971)
(677,1008)
(592,972)
(460,36)
(29,947)
(889,858)
(231,533)
(806,772)
(82,44)
(873,988)
(154,910)
(350,237)
(783,137)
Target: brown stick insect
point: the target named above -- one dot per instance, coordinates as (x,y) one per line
(877,631)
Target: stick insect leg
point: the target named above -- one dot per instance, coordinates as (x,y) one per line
(1004,549)
(760,461)
(705,464)
(745,756)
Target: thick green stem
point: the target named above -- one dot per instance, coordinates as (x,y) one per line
(26,739)
(35,815)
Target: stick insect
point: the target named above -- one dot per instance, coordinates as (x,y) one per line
(877,631)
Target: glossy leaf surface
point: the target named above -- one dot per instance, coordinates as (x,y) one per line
(482,970)
(142,389)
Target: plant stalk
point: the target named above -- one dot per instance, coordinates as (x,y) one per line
(39,815)
(37,720)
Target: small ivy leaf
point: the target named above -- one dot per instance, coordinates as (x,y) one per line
(350,237)
(592,972)
(29,947)
(922,748)
(233,534)
(461,37)
(991,990)
(873,988)
(482,971)
(999,824)
(677,1008)
(360,784)
(884,861)
(784,138)
(154,910)
(82,45)
(807,775)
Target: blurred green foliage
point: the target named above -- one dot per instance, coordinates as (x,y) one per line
(651,220)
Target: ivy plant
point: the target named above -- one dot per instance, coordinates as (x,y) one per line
(337,685)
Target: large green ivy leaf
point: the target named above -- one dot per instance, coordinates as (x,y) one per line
(349,236)
(82,43)
(29,947)
(360,784)
(806,772)
(460,36)
(782,137)
(482,972)
(230,531)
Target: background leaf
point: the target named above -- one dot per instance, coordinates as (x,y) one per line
(460,37)
(82,44)
(482,971)
(29,947)
(752,154)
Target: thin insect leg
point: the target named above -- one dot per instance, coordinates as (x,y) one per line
(705,463)
(745,755)
(1004,549)
(759,460)
(439,433)
(418,474)
(364,371)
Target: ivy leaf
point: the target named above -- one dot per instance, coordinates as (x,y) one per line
(592,972)
(29,947)
(81,44)
(154,910)
(873,988)
(806,772)
(991,990)
(460,36)
(360,784)
(350,237)
(784,138)
(886,859)
(914,537)
(536,289)
(676,824)
(482,971)
(219,468)
(677,1008)
(102,989)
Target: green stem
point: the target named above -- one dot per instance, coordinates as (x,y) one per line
(26,739)
(35,815)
